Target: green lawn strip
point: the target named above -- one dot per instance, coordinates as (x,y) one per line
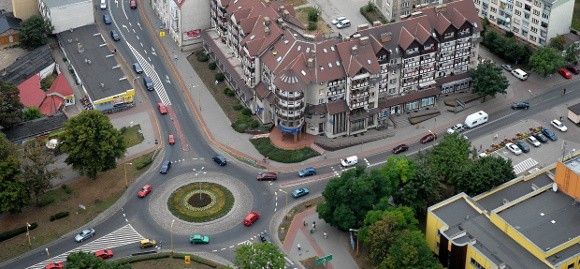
(132,135)
(576,15)
(265,147)
(223,206)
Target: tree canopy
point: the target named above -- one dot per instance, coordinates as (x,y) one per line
(264,255)
(571,54)
(558,42)
(449,158)
(92,143)
(410,251)
(86,260)
(546,60)
(36,173)
(10,106)
(32,113)
(485,173)
(13,194)
(34,31)
(488,80)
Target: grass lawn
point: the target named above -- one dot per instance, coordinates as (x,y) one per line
(167,263)
(294,2)
(96,195)
(265,147)
(133,135)
(321,25)
(373,15)
(576,15)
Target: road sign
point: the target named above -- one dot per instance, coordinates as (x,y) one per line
(187,260)
(162,33)
(323,259)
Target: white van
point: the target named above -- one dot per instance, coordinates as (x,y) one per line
(349,161)
(476,119)
(103,4)
(518,73)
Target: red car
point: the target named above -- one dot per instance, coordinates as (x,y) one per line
(251,218)
(428,138)
(400,148)
(133,4)
(144,191)
(54,265)
(267,176)
(104,254)
(162,108)
(565,73)
(171,139)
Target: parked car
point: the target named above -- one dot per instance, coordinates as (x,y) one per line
(115,35)
(198,239)
(267,176)
(165,166)
(532,140)
(146,189)
(542,138)
(264,237)
(337,20)
(558,125)
(147,243)
(349,161)
(107,19)
(148,82)
(104,254)
(308,171)
(297,193)
(428,138)
(574,69)
(54,265)
(251,218)
(343,24)
(551,135)
(137,68)
(523,146)
(103,4)
(457,128)
(133,4)
(221,161)
(507,67)
(400,148)
(565,73)
(85,234)
(513,148)
(171,139)
(162,109)
(520,105)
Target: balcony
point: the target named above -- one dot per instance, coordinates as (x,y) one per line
(297,96)
(291,107)
(359,86)
(286,117)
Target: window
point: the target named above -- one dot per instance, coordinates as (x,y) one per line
(476,264)
(527,15)
(518,13)
(536,12)
(534,30)
(533,38)
(321,91)
(545,16)
(493,9)
(393,72)
(412,105)
(449,35)
(494,2)
(392,90)
(516,21)
(393,81)
(516,30)
(427,101)
(535,21)
(518,4)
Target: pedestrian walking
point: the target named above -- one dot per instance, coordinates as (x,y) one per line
(305,223)
(564,91)
(325,235)
(560,118)
(298,247)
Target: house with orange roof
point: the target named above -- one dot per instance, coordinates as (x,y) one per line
(50,102)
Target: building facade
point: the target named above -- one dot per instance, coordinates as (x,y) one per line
(183,20)
(65,15)
(24,9)
(340,86)
(400,9)
(535,21)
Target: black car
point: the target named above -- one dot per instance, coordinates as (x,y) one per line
(165,167)
(107,19)
(574,69)
(148,83)
(523,146)
(264,237)
(220,160)
(115,35)
(400,148)
(138,69)
(542,138)
(521,105)
(551,135)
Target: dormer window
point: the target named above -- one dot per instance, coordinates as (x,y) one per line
(448,35)
(429,47)
(411,51)
(465,31)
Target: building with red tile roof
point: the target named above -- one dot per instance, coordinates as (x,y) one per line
(50,102)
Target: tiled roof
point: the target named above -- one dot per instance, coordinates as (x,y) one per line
(28,65)
(35,128)
(336,107)
(247,24)
(356,55)
(442,23)
(61,86)
(457,19)
(405,38)
(422,34)
(30,92)
(415,95)
(327,61)
(261,91)
(290,80)
(51,105)
(8,22)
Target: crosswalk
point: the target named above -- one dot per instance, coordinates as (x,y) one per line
(337,171)
(524,166)
(150,71)
(121,237)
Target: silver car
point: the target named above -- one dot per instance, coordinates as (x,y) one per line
(84,235)
(513,148)
(532,140)
(337,20)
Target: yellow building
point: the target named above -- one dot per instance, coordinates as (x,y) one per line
(24,9)
(530,222)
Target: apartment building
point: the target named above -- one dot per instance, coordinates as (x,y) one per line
(183,20)
(535,21)
(401,9)
(340,87)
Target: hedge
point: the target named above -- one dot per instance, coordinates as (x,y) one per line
(45,200)
(9,234)
(142,164)
(59,215)
(164,255)
(202,57)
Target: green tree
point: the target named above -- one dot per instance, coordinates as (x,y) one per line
(484,174)
(265,255)
(488,80)
(9,162)
(86,260)
(571,54)
(36,173)
(34,31)
(10,106)
(32,113)
(13,195)
(420,192)
(410,251)
(92,143)
(558,42)
(449,158)
(546,60)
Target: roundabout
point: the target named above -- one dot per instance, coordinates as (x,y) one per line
(200,202)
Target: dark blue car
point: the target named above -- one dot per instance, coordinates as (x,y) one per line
(551,135)
(107,19)
(220,160)
(308,171)
(165,167)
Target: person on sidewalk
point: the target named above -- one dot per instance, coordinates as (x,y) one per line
(564,91)
(325,235)
(298,247)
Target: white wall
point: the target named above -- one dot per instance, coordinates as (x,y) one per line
(560,18)
(195,14)
(72,16)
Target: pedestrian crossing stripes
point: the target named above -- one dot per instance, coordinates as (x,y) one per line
(150,71)
(121,237)
(524,166)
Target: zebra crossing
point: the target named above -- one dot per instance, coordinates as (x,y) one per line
(341,169)
(124,236)
(524,166)
(150,71)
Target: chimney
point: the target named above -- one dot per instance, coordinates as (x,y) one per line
(353,50)
(310,63)
(386,36)
(363,41)
(362,27)
(266,30)
(266,21)
(285,13)
(80,47)
(440,8)
(267,2)
(377,23)
(281,8)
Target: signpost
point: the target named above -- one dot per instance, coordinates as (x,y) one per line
(323,259)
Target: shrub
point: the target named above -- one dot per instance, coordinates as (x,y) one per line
(238,106)
(123,129)
(313,15)
(142,164)
(66,189)
(212,66)
(254,124)
(220,77)
(202,56)
(265,147)
(227,90)
(246,111)
(12,233)
(45,200)
(59,215)
(312,26)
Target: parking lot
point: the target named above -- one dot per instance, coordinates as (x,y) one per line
(333,9)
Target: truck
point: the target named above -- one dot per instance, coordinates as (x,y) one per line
(476,119)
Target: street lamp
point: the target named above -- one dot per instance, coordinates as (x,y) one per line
(125,168)
(171,231)
(28,233)
(286,206)
(47,253)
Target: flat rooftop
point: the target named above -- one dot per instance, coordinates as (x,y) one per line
(456,212)
(513,192)
(574,164)
(93,61)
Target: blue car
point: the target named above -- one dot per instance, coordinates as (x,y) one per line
(308,171)
(165,167)
(220,160)
(300,192)
(107,19)
(549,134)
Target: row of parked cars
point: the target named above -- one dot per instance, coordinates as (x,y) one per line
(537,139)
(566,71)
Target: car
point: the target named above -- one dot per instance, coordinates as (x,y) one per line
(264,237)
(133,4)
(297,193)
(103,4)
(146,189)
(520,105)
(507,67)
(565,73)
(513,148)
(84,235)
(115,35)
(541,137)
(343,24)
(198,239)
(251,218)
(574,69)
(107,19)
(267,176)
(54,265)
(522,146)
(551,135)
(162,109)
(349,161)
(104,254)
(137,68)
(308,171)
(428,138)
(171,139)
(400,148)
(148,82)
(532,140)
(221,161)
(165,166)
(456,128)
(559,125)
(147,243)
(337,20)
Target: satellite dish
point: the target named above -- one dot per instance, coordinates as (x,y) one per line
(554,187)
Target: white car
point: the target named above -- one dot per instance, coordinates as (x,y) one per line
(337,20)
(455,128)
(513,148)
(532,140)
(558,125)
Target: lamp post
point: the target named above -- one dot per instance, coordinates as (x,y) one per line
(286,206)
(47,253)
(125,168)
(171,231)
(28,233)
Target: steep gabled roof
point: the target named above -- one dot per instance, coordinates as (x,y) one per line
(422,34)
(442,23)
(290,80)
(405,38)
(457,19)
(356,56)
(30,93)
(60,86)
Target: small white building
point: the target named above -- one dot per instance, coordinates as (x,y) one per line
(183,19)
(67,14)
(574,113)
